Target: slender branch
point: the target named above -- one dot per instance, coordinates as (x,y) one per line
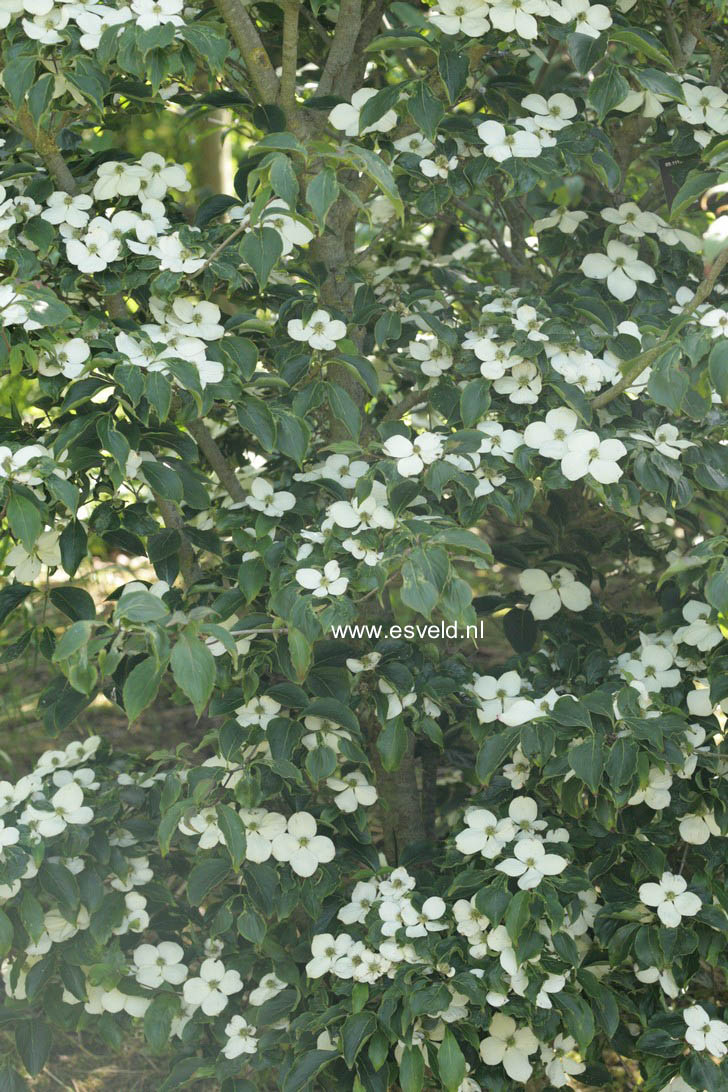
(409,401)
(635,367)
(289,55)
(207,444)
(189,569)
(252,50)
(219,249)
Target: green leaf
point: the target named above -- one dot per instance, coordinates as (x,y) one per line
(158,1019)
(621,762)
(168,825)
(355,1032)
(392,743)
(452,65)
(336,711)
(692,189)
(11,597)
(193,668)
(75,603)
(571,713)
(24,519)
(377,170)
(73,544)
(204,877)
(261,250)
(33,1039)
(344,409)
(521,630)
(411,1070)
(75,637)
(716,591)
(321,763)
(163,480)
(378,105)
(493,753)
(10,1080)
(578,1018)
(450,1063)
(6,934)
(293,436)
(254,415)
(518,914)
(718,367)
(321,192)
(587,761)
(233,832)
(425,109)
(300,651)
(607,90)
(141,606)
(474,401)
(640,41)
(660,83)
(19,77)
(60,883)
(283,180)
(417,592)
(305,1069)
(141,687)
(585,51)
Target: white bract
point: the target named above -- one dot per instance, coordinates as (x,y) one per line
(620,267)
(212,988)
(326,582)
(531,863)
(550,593)
(671,899)
(413,455)
(301,846)
(509,1046)
(320,331)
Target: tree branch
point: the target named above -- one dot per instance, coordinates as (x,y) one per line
(188,567)
(209,448)
(289,55)
(342,49)
(252,50)
(635,367)
(409,401)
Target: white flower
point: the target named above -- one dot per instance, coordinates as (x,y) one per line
(263,498)
(67,808)
(671,899)
(654,974)
(66,208)
(484,834)
(518,770)
(326,950)
(345,116)
(549,437)
(352,791)
(704,106)
(193,317)
(96,249)
(656,793)
(557,1063)
(413,455)
(8,837)
(159,963)
(553,114)
(321,331)
(241,1038)
(522,386)
(551,592)
(587,454)
(261,827)
(211,990)
(461,16)
(434,357)
(416,143)
(363,898)
(301,846)
(697,827)
(591,19)
(269,986)
(699,631)
(518,16)
(328,582)
(498,441)
(439,167)
(620,267)
(495,694)
(259,710)
(717,322)
(205,824)
(153,13)
(292,231)
(566,220)
(69,358)
(704,1033)
(500,145)
(510,1046)
(523,812)
(531,863)
(360,516)
(665,441)
(631,219)
(653,669)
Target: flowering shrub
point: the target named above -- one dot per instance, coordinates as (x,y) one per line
(450,365)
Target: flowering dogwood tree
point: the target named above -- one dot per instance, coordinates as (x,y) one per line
(450,364)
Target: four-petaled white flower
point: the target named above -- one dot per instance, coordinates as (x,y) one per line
(301,847)
(484,833)
(586,454)
(320,331)
(591,19)
(620,267)
(501,145)
(264,498)
(704,1033)
(461,16)
(509,1046)
(159,963)
(518,16)
(665,441)
(413,455)
(671,899)
(241,1038)
(352,791)
(211,990)
(553,113)
(346,115)
(67,808)
(531,863)
(326,582)
(551,592)
(549,437)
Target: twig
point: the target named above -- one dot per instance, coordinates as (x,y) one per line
(219,249)
(408,402)
(190,570)
(635,367)
(208,445)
